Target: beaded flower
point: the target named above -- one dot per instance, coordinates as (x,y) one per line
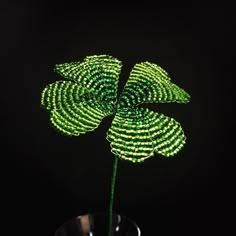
(79,104)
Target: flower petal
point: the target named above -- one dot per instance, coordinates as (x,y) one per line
(74,110)
(99,73)
(136,134)
(149,83)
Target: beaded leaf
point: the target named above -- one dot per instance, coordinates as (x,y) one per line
(96,73)
(136,134)
(149,83)
(72,112)
(78,105)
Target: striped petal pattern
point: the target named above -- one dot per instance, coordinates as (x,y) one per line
(79,104)
(149,83)
(73,109)
(136,134)
(99,74)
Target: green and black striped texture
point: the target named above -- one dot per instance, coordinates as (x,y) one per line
(88,94)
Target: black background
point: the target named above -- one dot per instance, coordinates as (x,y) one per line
(50,178)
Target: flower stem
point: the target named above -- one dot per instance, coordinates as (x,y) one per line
(113,180)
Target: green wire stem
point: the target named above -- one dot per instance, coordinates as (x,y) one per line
(113,181)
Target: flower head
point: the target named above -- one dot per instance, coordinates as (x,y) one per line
(78,105)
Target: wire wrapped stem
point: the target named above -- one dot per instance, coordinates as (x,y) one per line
(113,181)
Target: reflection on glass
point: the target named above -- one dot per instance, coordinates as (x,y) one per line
(97,225)
(85,225)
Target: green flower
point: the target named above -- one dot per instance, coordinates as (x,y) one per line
(78,105)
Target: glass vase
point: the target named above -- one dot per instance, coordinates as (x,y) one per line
(96,224)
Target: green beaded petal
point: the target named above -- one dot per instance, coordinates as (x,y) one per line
(149,83)
(136,134)
(99,73)
(79,105)
(73,109)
